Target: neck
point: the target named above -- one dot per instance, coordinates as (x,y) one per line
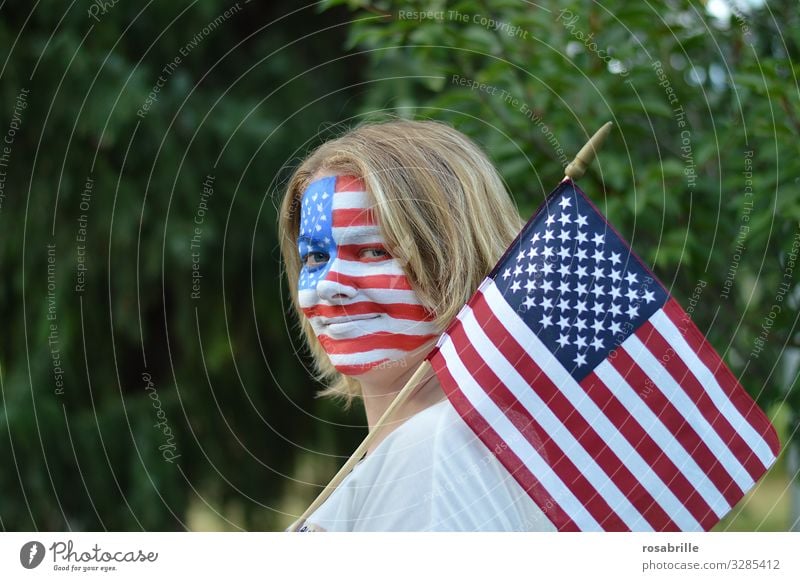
(378,395)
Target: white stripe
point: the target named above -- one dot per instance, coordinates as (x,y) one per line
(309,297)
(358,235)
(675,394)
(383,323)
(589,410)
(516,441)
(539,410)
(362,357)
(356,268)
(665,440)
(704,375)
(351,200)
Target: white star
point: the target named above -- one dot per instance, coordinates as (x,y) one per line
(530,285)
(515,287)
(518,270)
(633,311)
(615,293)
(564,236)
(547,286)
(325,196)
(521,256)
(581,237)
(533,252)
(615,259)
(564,219)
(563,270)
(580,359)
(615,310)
(531,268)
(580,288)
(547,268)
(563,340)
(580,306)
(649,296)
(535,238)
(324,218)
(597,326)
(598,291)
(614,328)
(581,254)
(546,303)
(581,221)
(314,197)
(319,208)
(598,239)
(506,273)
(318,227)
(580,324)
(548,251)
(598,255)
(632,294)
(598,273)
(529,302)
(546,321)
(550,220)
(563,304)
(563,323)
(563,287)
(597,343)
(565,203)
(548,235)
(326,240)
(615,275)
(580,342)
(563,253)
(580,272)
(630,277)
(598,309)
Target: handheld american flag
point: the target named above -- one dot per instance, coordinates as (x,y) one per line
(593,386)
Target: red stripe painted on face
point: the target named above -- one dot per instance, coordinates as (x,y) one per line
(345,217)
(376,281)
(394,310)
(372,341)
(353,252)
(349,184)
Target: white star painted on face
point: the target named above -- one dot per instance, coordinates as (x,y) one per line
(630,278)
(325,196)
(581,221)
(580,359)
(548,235)
(649,296)
(564,219)
(319,208)
(550,220)
(326,240)
(633,311)
(615,310)
(632,294)
(614,328)
(546,321)
(580,342)
(565,203)
(581,237)
(597,239)
(324,218)
(314,197)
(515,287)
(506,273)
(563,340)
(597,343)
(615,258)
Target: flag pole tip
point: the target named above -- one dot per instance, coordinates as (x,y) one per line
(578,166)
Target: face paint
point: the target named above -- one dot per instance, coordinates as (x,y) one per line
(356,296)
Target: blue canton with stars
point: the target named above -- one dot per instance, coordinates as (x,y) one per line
(575,283)
(316,230)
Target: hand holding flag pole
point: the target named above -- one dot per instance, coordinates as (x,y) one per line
(574,170)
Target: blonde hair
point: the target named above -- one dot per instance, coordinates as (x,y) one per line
(441,205)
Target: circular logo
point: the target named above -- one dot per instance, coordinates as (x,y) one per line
(31,554)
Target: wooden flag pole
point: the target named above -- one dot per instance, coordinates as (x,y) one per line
(577,167)
(574,171)
(399,400)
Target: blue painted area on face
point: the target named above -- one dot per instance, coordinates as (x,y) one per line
(316,229)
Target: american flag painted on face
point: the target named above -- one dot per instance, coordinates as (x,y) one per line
(356,296)
(603,398)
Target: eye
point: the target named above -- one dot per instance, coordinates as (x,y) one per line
(374,254)
(314,259)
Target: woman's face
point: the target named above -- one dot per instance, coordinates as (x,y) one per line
(355,294)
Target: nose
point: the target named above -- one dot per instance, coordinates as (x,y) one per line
(335,292)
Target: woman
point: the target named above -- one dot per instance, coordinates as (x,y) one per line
(386,231)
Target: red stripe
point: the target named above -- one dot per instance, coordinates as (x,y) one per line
(394,310)
(656,343)
(566,470)
(736,393)
(349,184)
(650,451)
(359,369)
(683,432)
(382,340)
(573,421)
(379,281)
(500,448)
(345,217)
(353,252)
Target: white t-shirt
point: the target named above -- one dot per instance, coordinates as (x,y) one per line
(430,474)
